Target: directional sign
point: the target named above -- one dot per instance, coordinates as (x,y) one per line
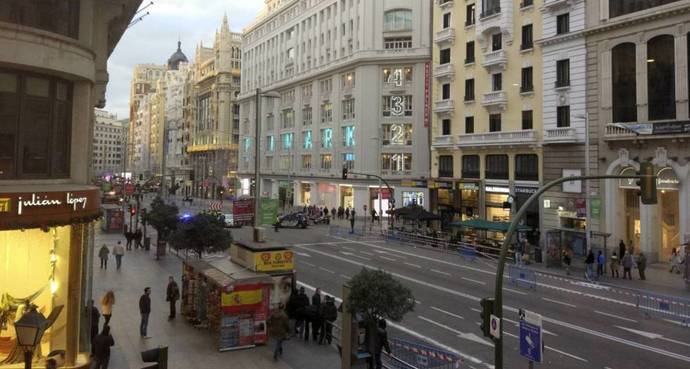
(495,326)
(531,344)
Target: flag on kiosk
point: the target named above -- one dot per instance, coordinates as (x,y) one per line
(242,298)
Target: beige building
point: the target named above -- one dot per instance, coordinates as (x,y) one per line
(109,144)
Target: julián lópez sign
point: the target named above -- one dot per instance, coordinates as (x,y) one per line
(31,209)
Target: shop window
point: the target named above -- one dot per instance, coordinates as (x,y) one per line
(445,166)
(661,82)
(496,167)
(526,167)
(622,7)
(57,16)
(35,126)
(470,166)
(624,89)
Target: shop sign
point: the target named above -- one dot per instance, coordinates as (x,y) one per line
(427,94)
(595,207)
(572,186)
(284,184)
(32,209)
(526,190)
(273,261)
(497,189)
(581,208)
(664,128)
(414,183)
(667,180)
(468,186)
(442,185)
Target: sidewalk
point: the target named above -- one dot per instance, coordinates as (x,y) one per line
(188,347)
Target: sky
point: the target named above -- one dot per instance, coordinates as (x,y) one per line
(154,39)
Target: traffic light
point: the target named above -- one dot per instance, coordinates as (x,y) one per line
(647,184)
(158,355)
(487,309)
(344,173)
(132,210)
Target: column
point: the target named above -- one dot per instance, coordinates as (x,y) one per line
(641,77)
(681,49)
(650,233)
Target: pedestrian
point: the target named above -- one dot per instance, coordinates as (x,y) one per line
(347,213)
(119,252)
(627,262)
(352,221)
(102,344)
(329,314)
(589,265)
(145,310)
(301,304)
(601,263)
(129,236)
(95,321)
(137,238)
(621,249)
(325,211)
(315,314)
(566,260)
(107,303)
(103,255)
(373,215)
(291,311)
(675,261)
(278,329)
(641,265)
(381,342)
(614,266)
(316,297)
(172,294)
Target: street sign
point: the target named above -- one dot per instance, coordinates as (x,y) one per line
(531,345)
(495,326)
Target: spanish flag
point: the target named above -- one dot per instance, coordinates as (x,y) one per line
(242,298)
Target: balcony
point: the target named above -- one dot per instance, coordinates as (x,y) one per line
(443,141)
(445,71)
(495,59)
(616,132)
(495,100)
(489,12)
(445,3)
(444,106)
(555,5)
(560,135)
(446,36)
(515,138)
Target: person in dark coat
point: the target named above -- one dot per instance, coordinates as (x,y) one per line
(129,236)
(621,249)
(316,321)
(145,310)
(312,319)
(642,265)
(589,264)
(291,311)
(301,304)
(137,238)
(102,344)
(95,321)
(352,221)
(172,294)
(380,342)
(347,214)
(329,314)
(278,329)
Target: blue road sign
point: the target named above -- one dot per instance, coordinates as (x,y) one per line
(531,345)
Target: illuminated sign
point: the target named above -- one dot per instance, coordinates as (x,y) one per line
(4,205)
(397,105)
(33,209)
(327,138)
(307,145)
(44,201)
(272,261)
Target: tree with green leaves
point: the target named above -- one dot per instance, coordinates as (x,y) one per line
(375,295)
(163,218)
(202,233)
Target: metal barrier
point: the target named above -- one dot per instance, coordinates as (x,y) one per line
(412,355)
(521,276)
(468,252)
(668,307)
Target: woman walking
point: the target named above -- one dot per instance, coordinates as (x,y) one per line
(614,266)
(107,303)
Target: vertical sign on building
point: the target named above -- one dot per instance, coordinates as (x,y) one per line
(427,93)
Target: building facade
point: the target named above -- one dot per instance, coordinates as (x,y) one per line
(53,73)
(109,144)
(177,164)
(487,128)
(354,78)
(637,101)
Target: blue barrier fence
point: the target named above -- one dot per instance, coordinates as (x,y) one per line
(413,355)
(522,277)
(666,307)
(468,253)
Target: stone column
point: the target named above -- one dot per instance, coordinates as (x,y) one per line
(650,232)
(681,50)
(73,309)
(641,77)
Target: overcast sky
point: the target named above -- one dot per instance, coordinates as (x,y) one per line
(154,39)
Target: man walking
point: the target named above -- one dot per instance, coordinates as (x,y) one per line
(301,304)
(627,262)
(145,310)
(352,222)
(641,265)
(129,236)
(172,295)
(101,348)
(119,252)
(601,262)
(137,239)
(329,314)
(381,342)
(103,255)
(316,317)
(589,265)
(621,249)
(278,329)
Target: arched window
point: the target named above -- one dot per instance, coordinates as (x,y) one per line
(624,87)
(661,84)
(397,20)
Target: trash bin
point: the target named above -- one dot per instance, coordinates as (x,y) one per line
(147,243)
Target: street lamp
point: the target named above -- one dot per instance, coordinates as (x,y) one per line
(30,328)
(258,234)
(588,219)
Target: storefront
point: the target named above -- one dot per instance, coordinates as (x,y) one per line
(285,194)
(444,201)
(521,195)
(305,193)
(468,192)
(347,196)
(46,242)
(497,203)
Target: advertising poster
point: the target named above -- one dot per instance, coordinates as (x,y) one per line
(268,211)
(243,211)
(273,261)
(116,220)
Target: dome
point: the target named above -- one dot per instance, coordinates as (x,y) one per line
(177,58)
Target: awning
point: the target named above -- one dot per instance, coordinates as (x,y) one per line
(488,225)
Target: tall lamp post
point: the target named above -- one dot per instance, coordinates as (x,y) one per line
(588,220)
(30,328)
(258,234)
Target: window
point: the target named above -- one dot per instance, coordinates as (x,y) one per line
(397,76)
(563,116)
(496,41)
(661,77)
(326,138)
(469,52)
(445,166)
(469,125)
(497,82)
(349,136)
(306,161)
(446,20)
(526,167)
(526,3)
(397,163)
(446,127)
(397,105)
(348,80)
(490,7)
(268,162)
(397,20)
(622,7)
(527,119)
(287,118)
(349,161)
(285,162)
(326,113)
(326,161)
(563,24)
(469,89)
(444,57)
(527,42)
(496,167)
(495,123)
(397,43)
(445,91)
(624,83)
(270,143)
(286,139)
(57,16)
(307,141)
(35,126)
(563,73)
(397,134)
(470,14)
(470,166)
(306,116)
(527,85)
(349,109)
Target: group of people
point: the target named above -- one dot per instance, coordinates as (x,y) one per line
(622,258)
(104,254)
(134,238)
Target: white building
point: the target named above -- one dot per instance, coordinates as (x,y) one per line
(354,77)
(177,160)
(109,144)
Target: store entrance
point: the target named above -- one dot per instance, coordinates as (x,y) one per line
(670,228)
(347,197)
(632,219)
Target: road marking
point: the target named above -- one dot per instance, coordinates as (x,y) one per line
(441,272)
(473,280)
(327,270)
(320,243)
(653,336)
(413,265)
(303,254)
(676,322)
(447,313)
(387,258)
(353,255)
(367,253)
(558,302)
(515,291)
(349,248)
(346,277)
(476,310)
(615,316)
(306,263)
(468,336)
(566,354)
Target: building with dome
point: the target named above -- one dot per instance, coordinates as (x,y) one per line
(176,58)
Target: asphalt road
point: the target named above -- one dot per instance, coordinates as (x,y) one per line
(586,326)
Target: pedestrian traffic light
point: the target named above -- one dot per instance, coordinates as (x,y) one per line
(344,173)
(158,355)
(647,184)
(487,309)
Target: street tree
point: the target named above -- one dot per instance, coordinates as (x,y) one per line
(202,233)
(375,295)
(163,218)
